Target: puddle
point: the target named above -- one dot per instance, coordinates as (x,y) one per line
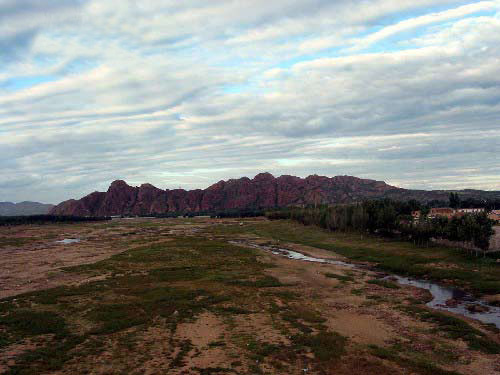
(68,241)
(440,294)
(294,254)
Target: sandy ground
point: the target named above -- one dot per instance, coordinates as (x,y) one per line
(359,320)
(39,264)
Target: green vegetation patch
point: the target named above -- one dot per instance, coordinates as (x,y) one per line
(178,361)
(456,328)
(326,346)
(304,314)
(438,263)
(302,318)
(422,367)
(32,323)
(261,349)
(15,241)
(178,273)
(46,359)
(343,278)
(116,317)
(215,370)
(174,280)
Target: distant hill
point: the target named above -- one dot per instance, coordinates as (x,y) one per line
(24,208)
(263,191)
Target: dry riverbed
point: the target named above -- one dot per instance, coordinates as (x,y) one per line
(178,296)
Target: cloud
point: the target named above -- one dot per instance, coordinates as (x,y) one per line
(22,20)
(424,20)
(188,93)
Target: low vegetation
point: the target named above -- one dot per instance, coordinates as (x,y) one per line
(139,310)
(172,282)
(456,328)
(477,274)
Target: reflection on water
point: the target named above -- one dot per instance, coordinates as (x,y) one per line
(439,293)
(299,256)
(68,241)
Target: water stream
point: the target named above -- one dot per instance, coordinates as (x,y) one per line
(440,293)
(68,241)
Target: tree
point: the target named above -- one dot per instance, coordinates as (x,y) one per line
(484,230)
(454,200)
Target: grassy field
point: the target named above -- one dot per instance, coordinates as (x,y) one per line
(163,285)
(189,302)
(479,275)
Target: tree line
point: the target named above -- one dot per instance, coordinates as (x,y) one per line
(456,201)
(46,219)
(389,218)
(234,213)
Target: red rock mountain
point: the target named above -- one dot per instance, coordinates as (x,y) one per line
(263,191)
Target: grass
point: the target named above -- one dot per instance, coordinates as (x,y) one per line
(15,241)
(165,284)
(342,278)
(261,350)
(116,317)
(456,329)
(32,323)
(420,366)
(303,314)
(357,292)
(174,281)
(480,275)
(326,346)
(215,370)
(47,358)
(178,361)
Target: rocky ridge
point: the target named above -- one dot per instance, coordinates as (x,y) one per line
(263,191)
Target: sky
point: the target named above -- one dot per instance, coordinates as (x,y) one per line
(186,93)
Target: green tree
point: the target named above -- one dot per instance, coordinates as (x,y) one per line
(454,200)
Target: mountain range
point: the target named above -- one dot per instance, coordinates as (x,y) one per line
(263,191)
(24,208)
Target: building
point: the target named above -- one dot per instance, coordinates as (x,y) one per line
(441,212)
(470,210)
(416,215)
(494,215)
(450,212)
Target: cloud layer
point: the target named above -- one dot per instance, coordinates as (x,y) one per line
(188,93)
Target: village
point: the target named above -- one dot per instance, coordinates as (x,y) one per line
(449,213)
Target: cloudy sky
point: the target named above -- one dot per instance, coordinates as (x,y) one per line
(185,93)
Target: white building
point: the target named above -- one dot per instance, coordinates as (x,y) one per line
(470,210)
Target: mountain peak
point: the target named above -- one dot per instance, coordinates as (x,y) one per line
(263,176)
(118,183)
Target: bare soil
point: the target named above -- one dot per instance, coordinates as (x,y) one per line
(259,340)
